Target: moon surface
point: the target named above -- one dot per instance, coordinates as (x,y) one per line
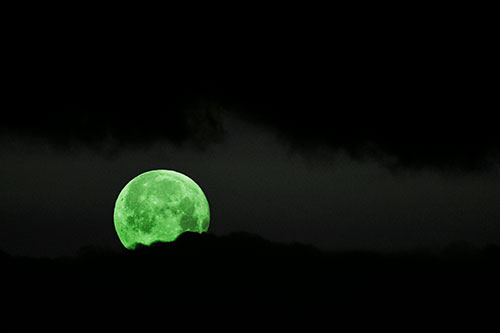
(158,206)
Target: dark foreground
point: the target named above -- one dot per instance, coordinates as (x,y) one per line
(205,275)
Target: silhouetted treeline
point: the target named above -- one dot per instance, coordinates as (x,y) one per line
(245,272)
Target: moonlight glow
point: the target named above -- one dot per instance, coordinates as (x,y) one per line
(159,205)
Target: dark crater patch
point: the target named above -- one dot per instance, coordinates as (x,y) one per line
(187,206)
(188,223)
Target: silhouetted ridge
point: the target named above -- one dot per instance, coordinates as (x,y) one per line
(4,254)
(238,244)
(245,272)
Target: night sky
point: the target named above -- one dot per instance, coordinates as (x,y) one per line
(367,139)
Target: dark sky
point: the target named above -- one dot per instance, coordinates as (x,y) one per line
(372,137)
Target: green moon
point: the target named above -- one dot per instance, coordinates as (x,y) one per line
(158,206)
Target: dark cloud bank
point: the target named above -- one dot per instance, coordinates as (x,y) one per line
(409,100)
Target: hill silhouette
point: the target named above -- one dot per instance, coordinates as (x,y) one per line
(245,272)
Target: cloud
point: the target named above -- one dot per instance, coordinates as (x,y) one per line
(128,114)
(410,105)
(408,115)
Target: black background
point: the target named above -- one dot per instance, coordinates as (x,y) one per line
(405,97)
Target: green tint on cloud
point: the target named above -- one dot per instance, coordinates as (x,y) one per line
(159,205)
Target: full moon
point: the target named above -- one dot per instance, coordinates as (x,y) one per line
(158,206)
